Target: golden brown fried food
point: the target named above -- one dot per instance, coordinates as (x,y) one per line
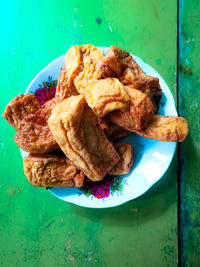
(46,109)
(64,88)
(106,95)
(166,129)
(79,179)
(29,119)
(102,96)
(50,170)
(117,133)
(113,131)
(119,63)
(125,163)
(140,112)
(76,129)
(80,63)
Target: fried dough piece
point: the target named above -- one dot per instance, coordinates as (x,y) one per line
(102,96)
(29,119)
(106,95)
(113,131)
(166,129)
(64,88)
(76,129)
(119,63)
(140,112)
(46,108)
(118,133)
(51,171)
(79,59)
(80,63)
(125,163)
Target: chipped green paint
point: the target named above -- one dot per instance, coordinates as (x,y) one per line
(12,190)
(189,107)
(36,229)
(186,70)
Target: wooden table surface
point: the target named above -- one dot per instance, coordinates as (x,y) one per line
(161,228)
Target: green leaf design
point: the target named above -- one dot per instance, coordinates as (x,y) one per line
(83,189)
(118,181)
(46,85)
(114,188)
(53,83)
(120,187)
(87,192)
(117,186)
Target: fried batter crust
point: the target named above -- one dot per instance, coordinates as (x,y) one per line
(125,163)
(80,63)
(51,171)
(76,129)
(64,88)
(119,63)
(166,129)
(106,95)
(140,112)
(113,131)
(29,119)
(102,96)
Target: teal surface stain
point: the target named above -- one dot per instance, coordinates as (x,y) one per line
(158,61)
(113,238)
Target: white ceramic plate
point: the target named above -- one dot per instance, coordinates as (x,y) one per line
(151,158)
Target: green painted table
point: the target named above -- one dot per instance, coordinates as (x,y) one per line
(161,228)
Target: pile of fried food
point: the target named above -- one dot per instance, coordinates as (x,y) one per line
(99,99)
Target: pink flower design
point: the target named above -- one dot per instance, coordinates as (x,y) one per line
(52,91)
(42,102)
(103,188)
(107,190)
(100,192)
(41,94)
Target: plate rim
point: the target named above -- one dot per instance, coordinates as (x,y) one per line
(153,183)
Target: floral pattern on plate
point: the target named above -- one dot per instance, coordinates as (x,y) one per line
(46,90)
(104,188)
(151,158)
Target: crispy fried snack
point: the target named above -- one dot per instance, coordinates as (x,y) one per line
(80,63)
(76,129)
(119,63)
(125,163)
(102,96)
(165,129)
(113,131)
(64,88)
(106,95)
(29,119)
(140,112)
(50,170)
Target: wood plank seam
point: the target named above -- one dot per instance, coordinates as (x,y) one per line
(178,144)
